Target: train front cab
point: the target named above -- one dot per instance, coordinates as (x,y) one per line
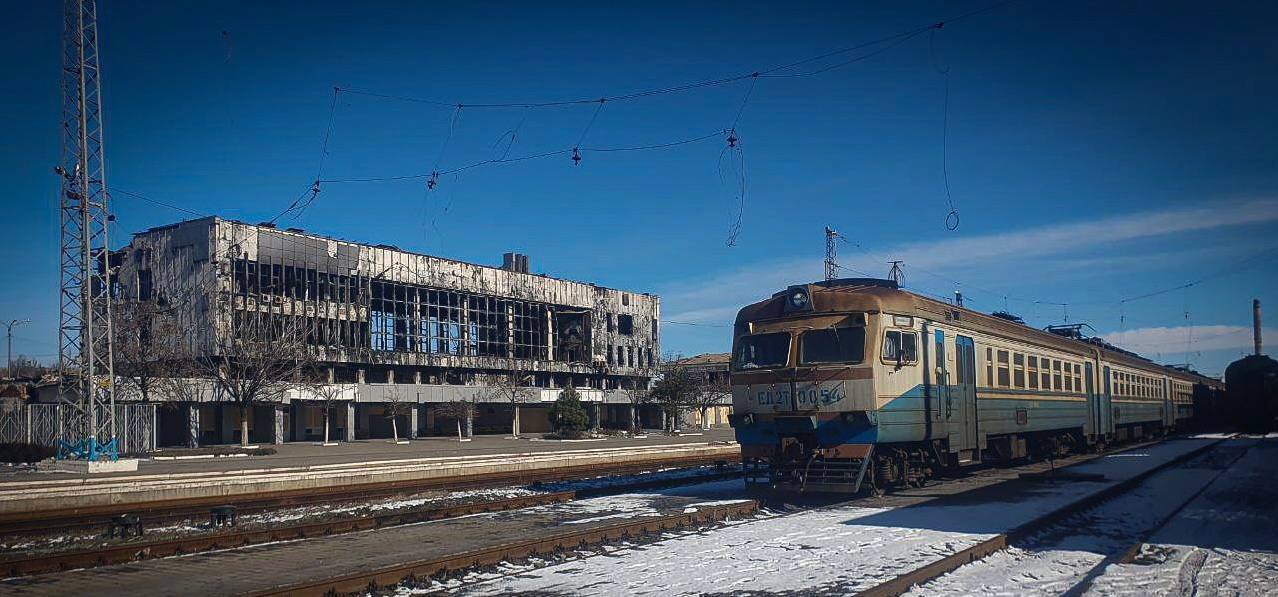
(820,398)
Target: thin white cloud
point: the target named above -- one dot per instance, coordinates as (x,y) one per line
(1083,235)
(716,298)
(1194,338)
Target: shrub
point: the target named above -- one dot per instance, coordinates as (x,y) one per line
(23,453)
(567,414)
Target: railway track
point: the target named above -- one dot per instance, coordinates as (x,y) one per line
(362,582)
(65,519)
(234,538)
(903,582)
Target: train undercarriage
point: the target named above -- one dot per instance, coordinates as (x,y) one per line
(797,464)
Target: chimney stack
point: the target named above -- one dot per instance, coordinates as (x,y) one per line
(515,262)
(1255,324)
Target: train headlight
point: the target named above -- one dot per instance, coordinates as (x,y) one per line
(799,299)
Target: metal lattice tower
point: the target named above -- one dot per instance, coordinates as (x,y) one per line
(87,390)
(831,252)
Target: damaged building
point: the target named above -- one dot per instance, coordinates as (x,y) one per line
(388,324)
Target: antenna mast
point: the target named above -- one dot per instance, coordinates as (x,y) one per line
(831,251)
(895,274)
(86,390)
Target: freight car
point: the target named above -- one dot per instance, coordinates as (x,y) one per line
(853,381)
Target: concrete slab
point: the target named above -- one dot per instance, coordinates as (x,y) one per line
(87,467)
(302,454)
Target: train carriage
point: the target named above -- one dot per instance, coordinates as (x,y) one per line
(842,382)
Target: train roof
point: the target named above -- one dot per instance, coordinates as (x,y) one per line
(872,295)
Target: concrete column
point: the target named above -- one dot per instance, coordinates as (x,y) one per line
(298,420)
(193,424)
(360,376)
(663,419)
(390,376)
(279,427)
(417,377)
(594,414)
(412,420)
(332,375)
(350,421)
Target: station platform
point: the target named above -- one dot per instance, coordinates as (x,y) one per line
(298,454)
(299,466)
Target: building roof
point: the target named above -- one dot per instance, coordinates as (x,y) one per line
(213,220)
(710,358)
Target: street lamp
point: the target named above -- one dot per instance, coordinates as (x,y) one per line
(8,367)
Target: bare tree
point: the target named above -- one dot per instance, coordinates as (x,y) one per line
(147,345)
(395,408)
(23,366)
(462,410)
(675,389)
(637,395)
(329,394)
(711,392)
(514,386)
(255,360)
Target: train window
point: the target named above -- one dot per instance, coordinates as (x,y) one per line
(1003,380)
(1069,382)
(1033,373)
(989,366)
(1046,374)
(1056,375)
(762,350)
(1078,377)
(1018,370)
(832,345)
(904,345)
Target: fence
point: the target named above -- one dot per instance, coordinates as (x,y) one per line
(44,424)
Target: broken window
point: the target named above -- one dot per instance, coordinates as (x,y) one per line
(626,325)
(144,285)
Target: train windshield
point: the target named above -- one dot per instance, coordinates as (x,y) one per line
(832,345)
(762,350)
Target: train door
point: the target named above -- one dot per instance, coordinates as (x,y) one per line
(944,405)
(1093,401)
(965,395)
(1106,406)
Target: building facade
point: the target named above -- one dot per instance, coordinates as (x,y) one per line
(714,371)
(387,324)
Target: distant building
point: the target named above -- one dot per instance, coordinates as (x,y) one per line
(715,372)
(384,320)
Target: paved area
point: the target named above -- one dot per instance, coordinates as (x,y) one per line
(302,454)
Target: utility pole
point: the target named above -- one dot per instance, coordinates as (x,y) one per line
(831,251)
(8,367)
(895,274)
(86,390)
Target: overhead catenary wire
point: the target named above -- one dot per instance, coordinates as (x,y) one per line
(884,43)
(774,71)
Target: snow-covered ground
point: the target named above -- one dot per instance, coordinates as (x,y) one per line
(301,514)
(838,549)
(1056,559)
(1225,542)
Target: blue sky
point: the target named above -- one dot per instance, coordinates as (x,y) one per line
(1095,151)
